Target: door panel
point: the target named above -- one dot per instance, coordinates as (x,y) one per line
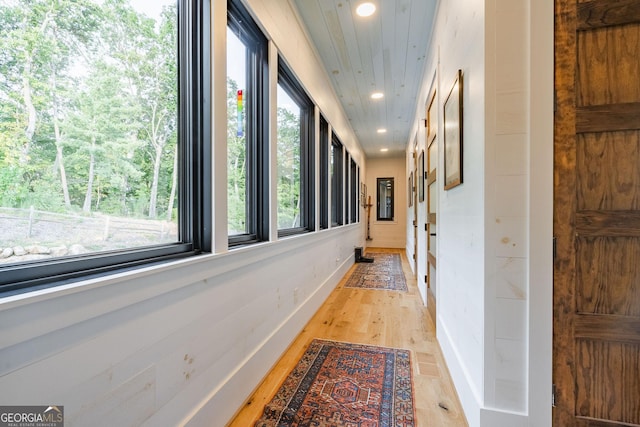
(606,164)
(608,386)
(596,364)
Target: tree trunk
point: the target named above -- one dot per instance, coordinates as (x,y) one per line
(27,95)
(58,139)
(87,198)
(31,111)
(174,184)
(63,173)
(153,199)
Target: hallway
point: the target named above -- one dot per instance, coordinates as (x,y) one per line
(376,317)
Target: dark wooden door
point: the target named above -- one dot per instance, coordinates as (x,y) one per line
(597,214)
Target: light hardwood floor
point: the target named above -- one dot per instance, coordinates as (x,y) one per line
(376,317)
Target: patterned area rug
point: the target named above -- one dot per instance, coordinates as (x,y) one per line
(385,272)
(345,385)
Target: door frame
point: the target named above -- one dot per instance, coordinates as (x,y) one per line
(541,205)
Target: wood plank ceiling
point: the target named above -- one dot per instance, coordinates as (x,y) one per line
(384,52)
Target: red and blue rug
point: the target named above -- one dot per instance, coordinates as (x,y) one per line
(345,385)
(385,272)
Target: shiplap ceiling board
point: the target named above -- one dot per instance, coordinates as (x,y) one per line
(384,52)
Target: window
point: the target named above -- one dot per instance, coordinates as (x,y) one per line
(247,128)
(354,191)
(324,173)
(295,156)
(337,190)
(384,193)
(347,182)
(103,137)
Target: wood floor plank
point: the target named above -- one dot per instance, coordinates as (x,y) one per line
(375,317)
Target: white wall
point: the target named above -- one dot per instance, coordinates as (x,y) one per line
(183,342)
(457,43)
(388,234)
(506,205)
(410,249)
(494,291)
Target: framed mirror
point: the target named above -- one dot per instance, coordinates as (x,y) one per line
(384,193)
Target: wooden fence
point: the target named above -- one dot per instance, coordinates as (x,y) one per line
(32,224)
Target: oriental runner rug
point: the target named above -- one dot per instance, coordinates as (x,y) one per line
(339,384)
(385,272)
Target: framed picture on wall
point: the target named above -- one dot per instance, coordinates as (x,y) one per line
(420,177)
(453,108)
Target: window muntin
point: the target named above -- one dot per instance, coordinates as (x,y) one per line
(101,160)
(295,156)
(247,128)
(337,188)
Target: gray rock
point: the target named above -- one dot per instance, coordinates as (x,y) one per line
(59,251)
(38,250)
(19,251)
(6,253)
(77,249)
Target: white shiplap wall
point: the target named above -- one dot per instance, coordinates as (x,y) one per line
(494,267)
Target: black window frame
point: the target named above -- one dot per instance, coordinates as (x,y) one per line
(288,81)
(347,183)
(324,173)
(194,152)
(256,101)
(353,175)
(388,180)
(337,184)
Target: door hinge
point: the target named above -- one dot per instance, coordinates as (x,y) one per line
(425,278)
(425,227)
(414,256)
(553,395)
(555,246)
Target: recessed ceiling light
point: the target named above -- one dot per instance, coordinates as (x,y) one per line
(383,130)
(384,150)
(366,9)
(377,95)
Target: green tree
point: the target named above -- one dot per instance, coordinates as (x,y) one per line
(102,131)
(288,158)
(40,40)
(146,52)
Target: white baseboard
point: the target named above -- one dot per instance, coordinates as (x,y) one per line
(471,403)
(498,418)
(477,415)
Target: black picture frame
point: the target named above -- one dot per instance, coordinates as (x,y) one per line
(453,113)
